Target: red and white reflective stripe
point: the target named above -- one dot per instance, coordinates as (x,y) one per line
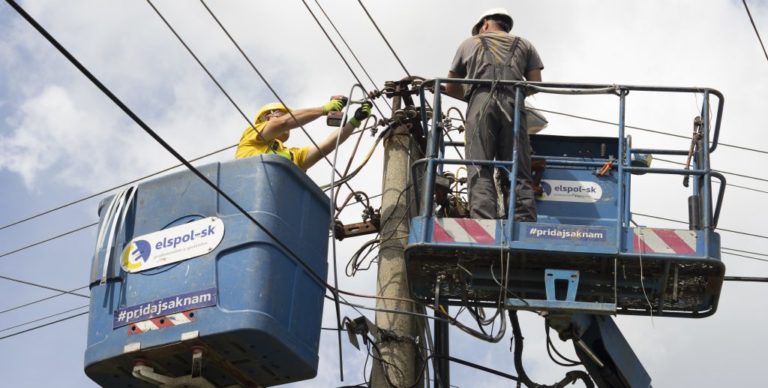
(464,230)
(160,322)
(664,241)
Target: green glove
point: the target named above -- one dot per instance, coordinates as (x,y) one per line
(333,105)
(361,114)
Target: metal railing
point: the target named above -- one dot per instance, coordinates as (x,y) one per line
(702,173)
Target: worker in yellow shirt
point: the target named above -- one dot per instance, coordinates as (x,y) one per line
(272,128)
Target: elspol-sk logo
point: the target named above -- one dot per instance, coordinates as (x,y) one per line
(135,254)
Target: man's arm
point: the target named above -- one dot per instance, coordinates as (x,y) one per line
(454,90)
(325,146)
(328,144)
(285,122)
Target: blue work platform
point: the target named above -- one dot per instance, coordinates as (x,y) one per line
(184,284)
(583,253)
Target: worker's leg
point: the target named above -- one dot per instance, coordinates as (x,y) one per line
(525,203)
(479,138)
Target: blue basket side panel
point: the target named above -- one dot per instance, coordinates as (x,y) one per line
(263,294)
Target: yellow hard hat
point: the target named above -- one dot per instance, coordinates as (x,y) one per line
(269,107)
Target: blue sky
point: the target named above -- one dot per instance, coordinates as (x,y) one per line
(61,140)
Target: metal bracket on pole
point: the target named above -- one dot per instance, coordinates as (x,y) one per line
(356,229)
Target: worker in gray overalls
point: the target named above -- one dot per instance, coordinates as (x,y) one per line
(493,53)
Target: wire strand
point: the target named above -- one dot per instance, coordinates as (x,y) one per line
(160,140)
(351,52)
(48,240)
(269,86)
(751,20)
(29,218)
(647,130)
(43,286)
(718,228)
(385,38)
(41,300)
(42,318)
(43,325)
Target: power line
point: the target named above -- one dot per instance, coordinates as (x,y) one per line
(751,20)
(351,51)
(385,39)
(333,164)
(724,172)
(647,130)
(48,239)
(110,189)
(43,286)
(41,300)
(748,252)
(339,52)
(45,324)
(718,228)
(744,256)
(159,139)
(199,62)
(269,86)
(746,279)
(42,319)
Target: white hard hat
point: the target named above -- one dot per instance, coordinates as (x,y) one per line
(493,11)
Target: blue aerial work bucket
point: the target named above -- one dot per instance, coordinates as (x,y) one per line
(179,270)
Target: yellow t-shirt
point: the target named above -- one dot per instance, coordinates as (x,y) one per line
(252,145)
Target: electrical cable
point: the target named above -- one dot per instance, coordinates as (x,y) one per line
(748,252)
(41,300)
(385,38)
(48,239)
(746,279)
(29,218)
(339,52)
(269,86)
(724,172)
(160,140)
(42,319)
(472,365)
(45,324)
(648,130)
(517,337)
(351,51)
(551,347)
(199,62)
(718,228)
(43,286)
(332,226)
(745,256)
(755,28)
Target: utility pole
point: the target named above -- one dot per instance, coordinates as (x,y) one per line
(397,347)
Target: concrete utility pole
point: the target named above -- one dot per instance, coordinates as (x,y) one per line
(399,352)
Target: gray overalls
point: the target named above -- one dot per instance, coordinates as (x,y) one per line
(490,136)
